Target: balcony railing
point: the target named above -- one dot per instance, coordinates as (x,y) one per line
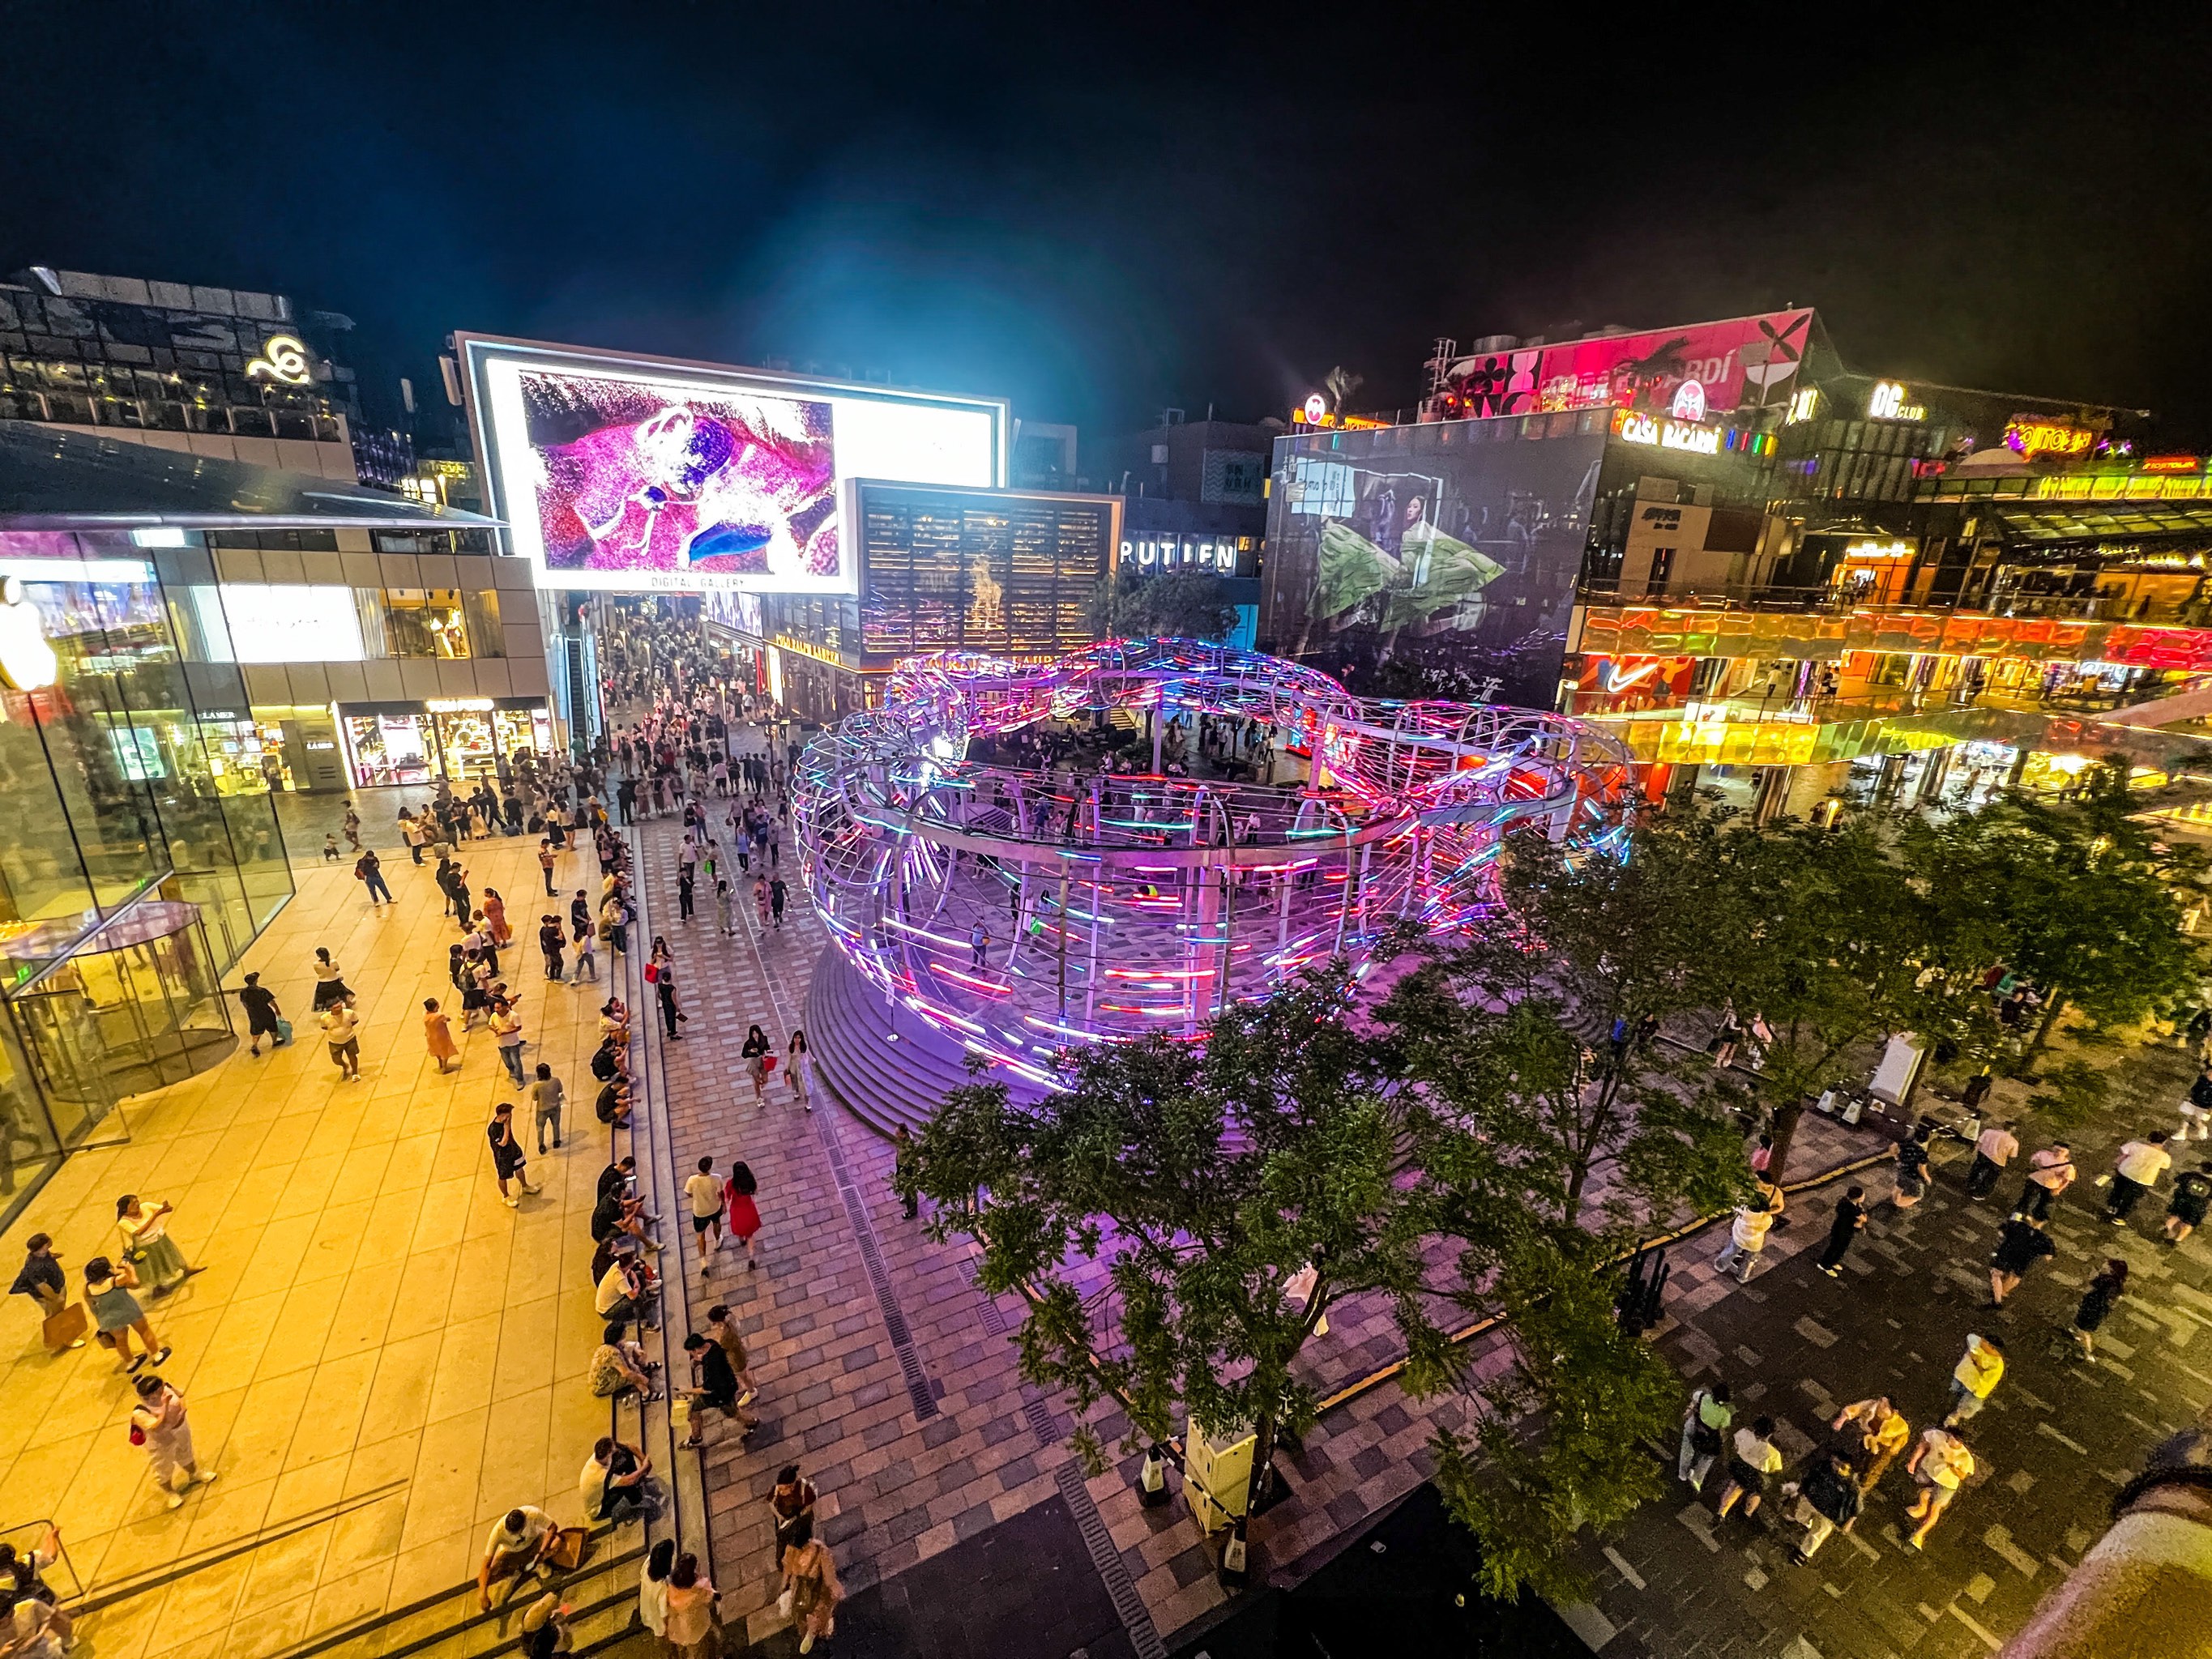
(1830,601)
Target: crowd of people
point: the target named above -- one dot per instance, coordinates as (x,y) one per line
(1838,1479)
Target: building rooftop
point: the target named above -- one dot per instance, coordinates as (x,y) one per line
(52,479)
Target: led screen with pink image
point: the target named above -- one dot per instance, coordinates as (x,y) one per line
(670,481)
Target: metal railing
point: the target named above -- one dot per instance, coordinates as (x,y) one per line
(1827,601)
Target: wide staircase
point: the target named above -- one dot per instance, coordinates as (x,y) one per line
(883,1062)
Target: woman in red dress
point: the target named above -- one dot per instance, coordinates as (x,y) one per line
(744,1214)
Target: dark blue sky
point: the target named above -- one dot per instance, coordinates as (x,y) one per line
(1099,211)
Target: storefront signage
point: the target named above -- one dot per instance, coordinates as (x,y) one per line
(1689,401)
(1632,425)
(1887,402)
(27,661)
(2172,462)
(1315,413)
(1879,550)
(1804,404)
(2034,438)
(457,705)
(284,358)
(785,643)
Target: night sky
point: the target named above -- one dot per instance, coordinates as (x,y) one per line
(1101,210)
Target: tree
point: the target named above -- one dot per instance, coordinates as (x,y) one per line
(1157,1211)
(2074,896)
(1180,604)
(1191,1184)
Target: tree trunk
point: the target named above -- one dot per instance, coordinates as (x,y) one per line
(1785,1125)
(1263,1466)
(2051,1010)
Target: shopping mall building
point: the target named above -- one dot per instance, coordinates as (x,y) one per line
(177,634)
(1771,573)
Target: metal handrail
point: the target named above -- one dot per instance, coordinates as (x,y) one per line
(40,1529)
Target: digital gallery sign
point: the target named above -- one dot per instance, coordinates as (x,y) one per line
(636,474)
(1005,571)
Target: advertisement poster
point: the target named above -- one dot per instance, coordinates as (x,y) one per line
(635,475)
(1742,361)
(1444,572)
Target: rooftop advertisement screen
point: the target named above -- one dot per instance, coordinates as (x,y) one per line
(630,474)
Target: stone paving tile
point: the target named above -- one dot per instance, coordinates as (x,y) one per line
(373,1329)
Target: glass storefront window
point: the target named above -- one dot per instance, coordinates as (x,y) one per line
(486,636)
(389,749)
(426,622)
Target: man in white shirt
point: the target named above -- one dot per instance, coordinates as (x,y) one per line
(1997,1147)
(342,1030)
(1940,1462)
(705,1192)
(520,1542)
(621,1298)
(2140,1164)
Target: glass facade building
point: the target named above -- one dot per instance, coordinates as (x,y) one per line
(137,861)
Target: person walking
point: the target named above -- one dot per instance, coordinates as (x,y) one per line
(652,1589)
(1941,1464)
(116,1313)
(791,1505)
(369,870)
(690,1629)
(744,1214)
(330,981)
(799,1069)
(2097,1304)
(508,1161)
(809,1580)
(2185,1211)
(725,918)
(979,945)
(158,1423)
(1996,1146)
(2197,1108)
(264,1019)
(705,1192)
(1704,1427)
(718,1387)
(759,1057)
(1912,1168)
(507,1027)
(1845,1226)
(42,1280)
(760,900)
(2050,1173)
(438,1035)
(671,1011)
(547,1092)
(552,941)
(147,1245)
(1748,1232)
(1828,1497)
(342,1030)
(779,896)
(1752,1457)
(722,1331)
(495,916)
(685,881)
(547,858)
(1875,1431)
(2136,1170)
(1975,1379)
(2021,1243)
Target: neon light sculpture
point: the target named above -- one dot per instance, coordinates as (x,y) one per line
(1116,904)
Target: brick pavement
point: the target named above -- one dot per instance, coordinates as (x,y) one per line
(2058,1438)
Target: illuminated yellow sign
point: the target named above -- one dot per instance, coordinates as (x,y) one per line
(1803,403)
(284,358)
(2033,438)
(1879,550)
(785,643)
(1633,426)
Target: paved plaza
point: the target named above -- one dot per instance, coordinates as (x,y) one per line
(379,1357)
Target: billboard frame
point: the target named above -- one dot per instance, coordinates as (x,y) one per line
(473,354)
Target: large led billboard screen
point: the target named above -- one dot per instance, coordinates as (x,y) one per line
(1008,571)
(625,473)
(1450,549)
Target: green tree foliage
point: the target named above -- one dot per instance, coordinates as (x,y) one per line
(1182,603)
(1546,1459)
(1157,1209)
(2072,894)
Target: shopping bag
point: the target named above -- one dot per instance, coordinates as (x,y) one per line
(786,1602)
(284,1031)
(66,1326)
(567,1553)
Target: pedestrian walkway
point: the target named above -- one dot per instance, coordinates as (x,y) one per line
(379,1358)
(2057,1439)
